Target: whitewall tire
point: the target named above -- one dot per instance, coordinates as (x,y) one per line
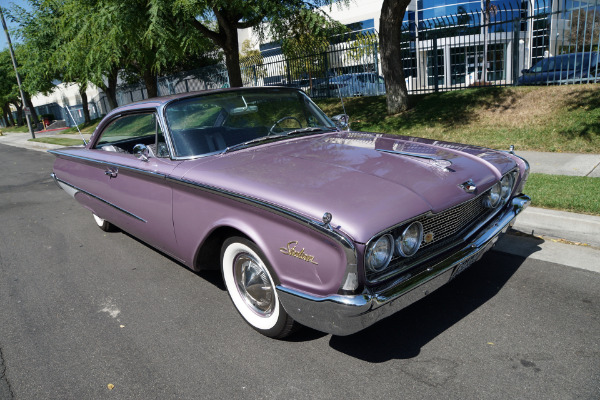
(251,288)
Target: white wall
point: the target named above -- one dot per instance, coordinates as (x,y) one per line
(64,95)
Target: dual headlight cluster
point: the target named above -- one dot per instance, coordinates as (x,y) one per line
(381,251)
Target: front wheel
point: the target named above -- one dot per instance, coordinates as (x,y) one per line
(252,289)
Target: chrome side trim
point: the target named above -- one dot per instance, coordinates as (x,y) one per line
(106,163)
(73,190)
(344,315)
(347,244)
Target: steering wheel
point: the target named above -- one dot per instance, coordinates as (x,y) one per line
(271,131)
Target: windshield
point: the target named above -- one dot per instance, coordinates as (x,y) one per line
(225,120)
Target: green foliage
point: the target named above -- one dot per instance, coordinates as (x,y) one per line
(362,50)
(219,20)
(251,62)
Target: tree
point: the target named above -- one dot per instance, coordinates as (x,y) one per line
(305,41)
(583,35)
(363,49)
(219,21)
(390,30)
(9,92)
(251,62)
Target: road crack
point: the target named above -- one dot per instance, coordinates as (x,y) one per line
(5,389)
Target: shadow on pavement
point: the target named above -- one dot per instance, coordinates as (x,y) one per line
(402,335)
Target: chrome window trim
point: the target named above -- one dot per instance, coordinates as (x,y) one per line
(78,189)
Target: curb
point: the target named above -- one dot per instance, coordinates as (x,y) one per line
(560,224)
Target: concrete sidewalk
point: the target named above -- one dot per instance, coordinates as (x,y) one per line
(556,224)
(20,139)
(563,163)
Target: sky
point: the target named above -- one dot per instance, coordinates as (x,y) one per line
(7,4)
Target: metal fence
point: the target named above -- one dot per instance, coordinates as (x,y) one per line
(533,42)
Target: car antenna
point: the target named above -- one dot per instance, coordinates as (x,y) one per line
(340,93)
(76,126)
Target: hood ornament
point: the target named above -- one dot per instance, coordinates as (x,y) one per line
(468,186)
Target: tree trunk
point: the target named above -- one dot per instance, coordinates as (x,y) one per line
(84,103)
(110,88)
(151,84)
(390,23)
(9,115)
(232,60)
(19,108)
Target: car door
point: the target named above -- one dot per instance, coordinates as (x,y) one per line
(136,188)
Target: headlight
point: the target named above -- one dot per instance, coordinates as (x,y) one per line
(492,198)
(506,183)
(409,242)
(379,253)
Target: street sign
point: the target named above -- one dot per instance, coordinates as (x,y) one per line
(27,110)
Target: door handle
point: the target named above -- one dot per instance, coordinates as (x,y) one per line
(111,172)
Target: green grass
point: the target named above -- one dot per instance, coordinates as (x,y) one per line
(20,129)
(59,141)
(579,194)
(85,128)
(550,118)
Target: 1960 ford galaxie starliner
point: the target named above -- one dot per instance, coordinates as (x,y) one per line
(309,223)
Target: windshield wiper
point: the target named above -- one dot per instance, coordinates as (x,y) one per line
(305,130)
(247,143)
(273,138)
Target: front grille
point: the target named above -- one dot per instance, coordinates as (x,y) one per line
(447,228)
(449,222)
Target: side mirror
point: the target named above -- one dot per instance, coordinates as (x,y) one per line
(524,71)
(141,151)
(341,121)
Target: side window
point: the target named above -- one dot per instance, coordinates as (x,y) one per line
(122,134)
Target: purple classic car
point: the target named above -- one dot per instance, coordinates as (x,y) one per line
(309,223)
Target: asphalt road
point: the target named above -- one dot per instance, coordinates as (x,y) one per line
(81,309)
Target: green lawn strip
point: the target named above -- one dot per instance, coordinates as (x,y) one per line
(550,119)
(579,194)
(19,129)
(58,141)
(85,128)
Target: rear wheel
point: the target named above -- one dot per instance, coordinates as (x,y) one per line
(252,289)
(103,224)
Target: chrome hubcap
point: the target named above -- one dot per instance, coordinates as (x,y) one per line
(254,285)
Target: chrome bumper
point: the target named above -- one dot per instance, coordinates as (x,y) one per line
(344,315)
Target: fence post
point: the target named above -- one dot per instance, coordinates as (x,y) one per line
(435,65)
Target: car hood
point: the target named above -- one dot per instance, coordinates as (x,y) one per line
(368,182)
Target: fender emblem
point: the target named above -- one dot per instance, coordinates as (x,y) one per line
(468,186)
(292,252)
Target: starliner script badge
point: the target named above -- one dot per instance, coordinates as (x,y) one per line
(291,251)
